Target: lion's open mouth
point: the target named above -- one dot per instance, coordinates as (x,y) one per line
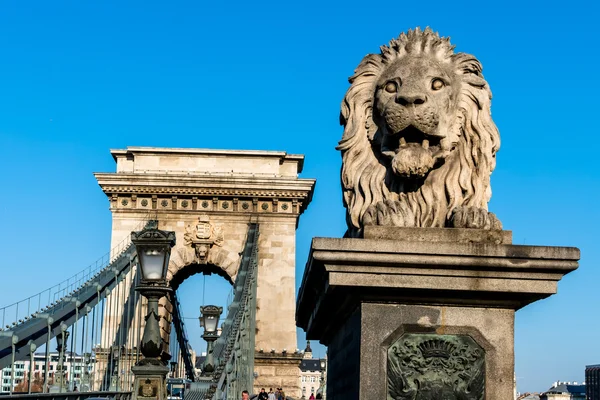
(408,137)
(414,136)
(413,153)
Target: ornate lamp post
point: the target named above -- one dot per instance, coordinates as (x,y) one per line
(85,377)
(173,368)
(154,249)
(209,319)
(114,379)
(61,347)
(323,387)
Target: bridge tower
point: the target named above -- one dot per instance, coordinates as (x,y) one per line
(208,197)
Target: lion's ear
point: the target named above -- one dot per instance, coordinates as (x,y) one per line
(475,80)
(467,63)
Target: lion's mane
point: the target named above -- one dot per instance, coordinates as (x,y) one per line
(464,178)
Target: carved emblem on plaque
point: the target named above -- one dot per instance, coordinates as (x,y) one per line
(148,389)
(436,367)
(202,237)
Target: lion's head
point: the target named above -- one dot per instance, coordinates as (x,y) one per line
(418,135)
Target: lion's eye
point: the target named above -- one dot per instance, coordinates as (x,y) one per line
(391,87)
(437,84)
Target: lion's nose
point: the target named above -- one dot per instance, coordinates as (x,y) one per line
(406,100)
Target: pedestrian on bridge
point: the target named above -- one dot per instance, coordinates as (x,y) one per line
(272,395)
(263,395)
(245,395)
(281,394)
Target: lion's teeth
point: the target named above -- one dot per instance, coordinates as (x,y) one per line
(402,141)
(425,144)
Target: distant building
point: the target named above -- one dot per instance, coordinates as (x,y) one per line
(592,382)
(74,365)
(311,374)
(199,363)
(529,396)
(565,391)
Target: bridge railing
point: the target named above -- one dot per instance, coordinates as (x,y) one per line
(63,320)
(182,337)
(82,318)
(98,343)
(233,351)
(25,309)
(239,369)
(235,355)
(72,396)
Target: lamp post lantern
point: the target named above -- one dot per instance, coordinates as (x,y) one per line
(85,377)
(153,247)
(209,319)
(61,347)
(323,386)
(173,369)
(114,379)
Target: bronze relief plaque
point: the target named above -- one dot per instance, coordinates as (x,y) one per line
(435,367)
(148,388)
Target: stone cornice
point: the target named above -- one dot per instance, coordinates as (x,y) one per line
(205,185)
(281,155)
(342,272)
(109,190)
(167,191)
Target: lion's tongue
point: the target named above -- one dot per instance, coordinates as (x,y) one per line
(412,161)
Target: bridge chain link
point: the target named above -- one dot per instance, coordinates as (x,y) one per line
(234,350)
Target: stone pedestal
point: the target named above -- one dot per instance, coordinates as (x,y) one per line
(423,313)
(150,382)
(60,384)
(278,370)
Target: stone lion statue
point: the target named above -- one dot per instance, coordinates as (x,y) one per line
(419,142)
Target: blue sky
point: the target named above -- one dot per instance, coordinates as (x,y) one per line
(79,78)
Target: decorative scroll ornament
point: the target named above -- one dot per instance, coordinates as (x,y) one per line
(202,237)
(436,367)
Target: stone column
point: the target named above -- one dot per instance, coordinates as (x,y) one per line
(277,360)
(423,313)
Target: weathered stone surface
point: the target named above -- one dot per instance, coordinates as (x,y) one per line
(360,296)
(432,366)
(474,274)
(383,324)
(454,235)
(150,382)
(419,142)
(278,370)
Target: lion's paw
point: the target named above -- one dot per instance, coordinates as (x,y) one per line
(389,213)
(474,218)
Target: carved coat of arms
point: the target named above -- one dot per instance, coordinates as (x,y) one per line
(436,367)
(202,236)
(148,389)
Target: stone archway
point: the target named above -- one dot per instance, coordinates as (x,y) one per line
(191,190)
(220,242)
(176,277)
(194,269)
(220,260)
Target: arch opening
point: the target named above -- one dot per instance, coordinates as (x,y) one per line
(196,285)
(192,269)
